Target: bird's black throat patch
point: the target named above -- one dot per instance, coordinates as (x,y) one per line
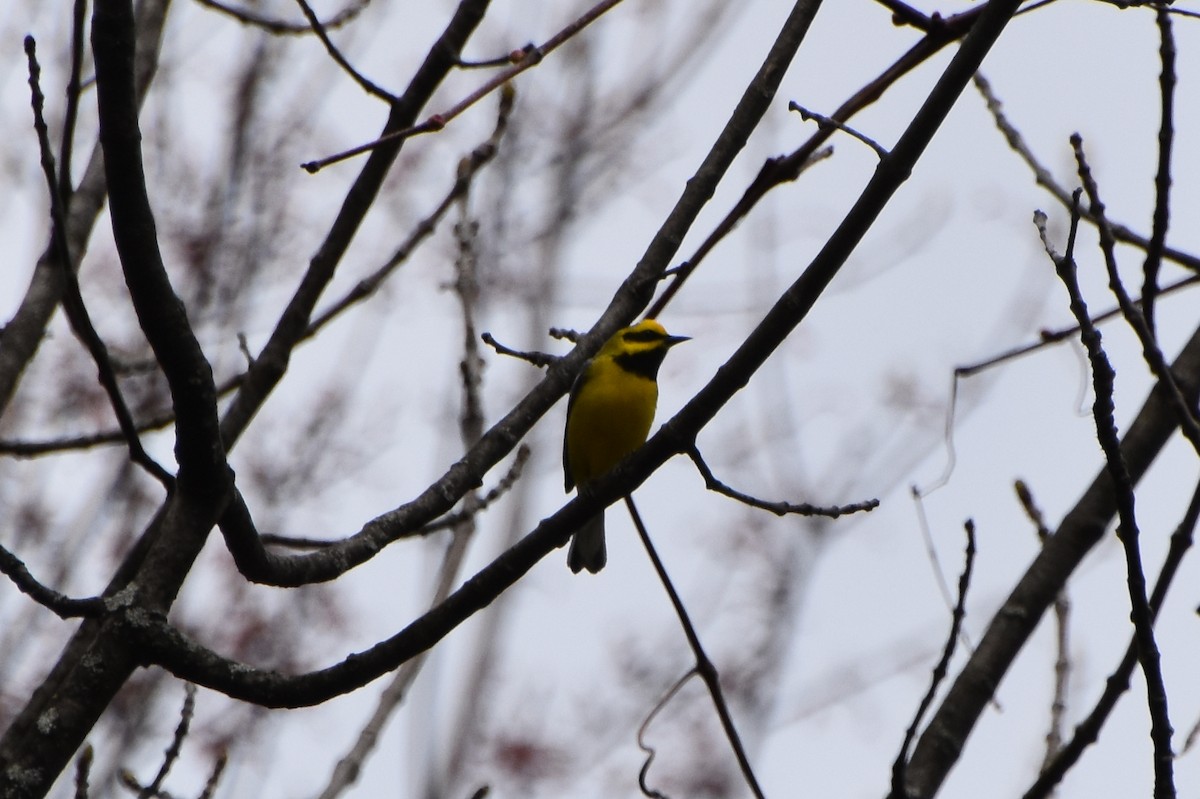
(644,364)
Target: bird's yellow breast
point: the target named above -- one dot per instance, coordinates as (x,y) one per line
(610,417)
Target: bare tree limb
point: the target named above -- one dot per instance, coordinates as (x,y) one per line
(468,168)
(787,168)
(1103,410)
(185,659)
(465,475)
(939,746)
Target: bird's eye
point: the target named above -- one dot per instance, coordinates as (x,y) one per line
(644,335)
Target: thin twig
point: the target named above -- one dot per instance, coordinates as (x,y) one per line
(471,425)
(1162,179)
(1062,618)
(282,27)
(468,167)
(34,449)
(319,29)
(74,89)
(62,605)
(1188,424)
(774,173)
(565,334)
(1047,338)
(539,359)
(530,57)
(73,304)
(1103,378)
(186,713)
(704,666)
(1046,180)
(512,57)
(825,121)
(777,171)
(214,777)
(778,508)
(900,766)
(931,553)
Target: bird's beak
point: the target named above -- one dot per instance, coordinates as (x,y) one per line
(671,341)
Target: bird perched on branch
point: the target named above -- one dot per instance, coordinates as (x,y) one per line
(608,416)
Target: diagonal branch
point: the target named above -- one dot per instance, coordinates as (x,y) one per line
(1135,316)
(319,29)
(788,168)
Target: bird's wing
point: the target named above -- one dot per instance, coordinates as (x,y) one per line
(568,481)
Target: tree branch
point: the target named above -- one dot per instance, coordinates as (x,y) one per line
(1103,410)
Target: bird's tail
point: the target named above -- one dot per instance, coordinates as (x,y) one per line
(587,547)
